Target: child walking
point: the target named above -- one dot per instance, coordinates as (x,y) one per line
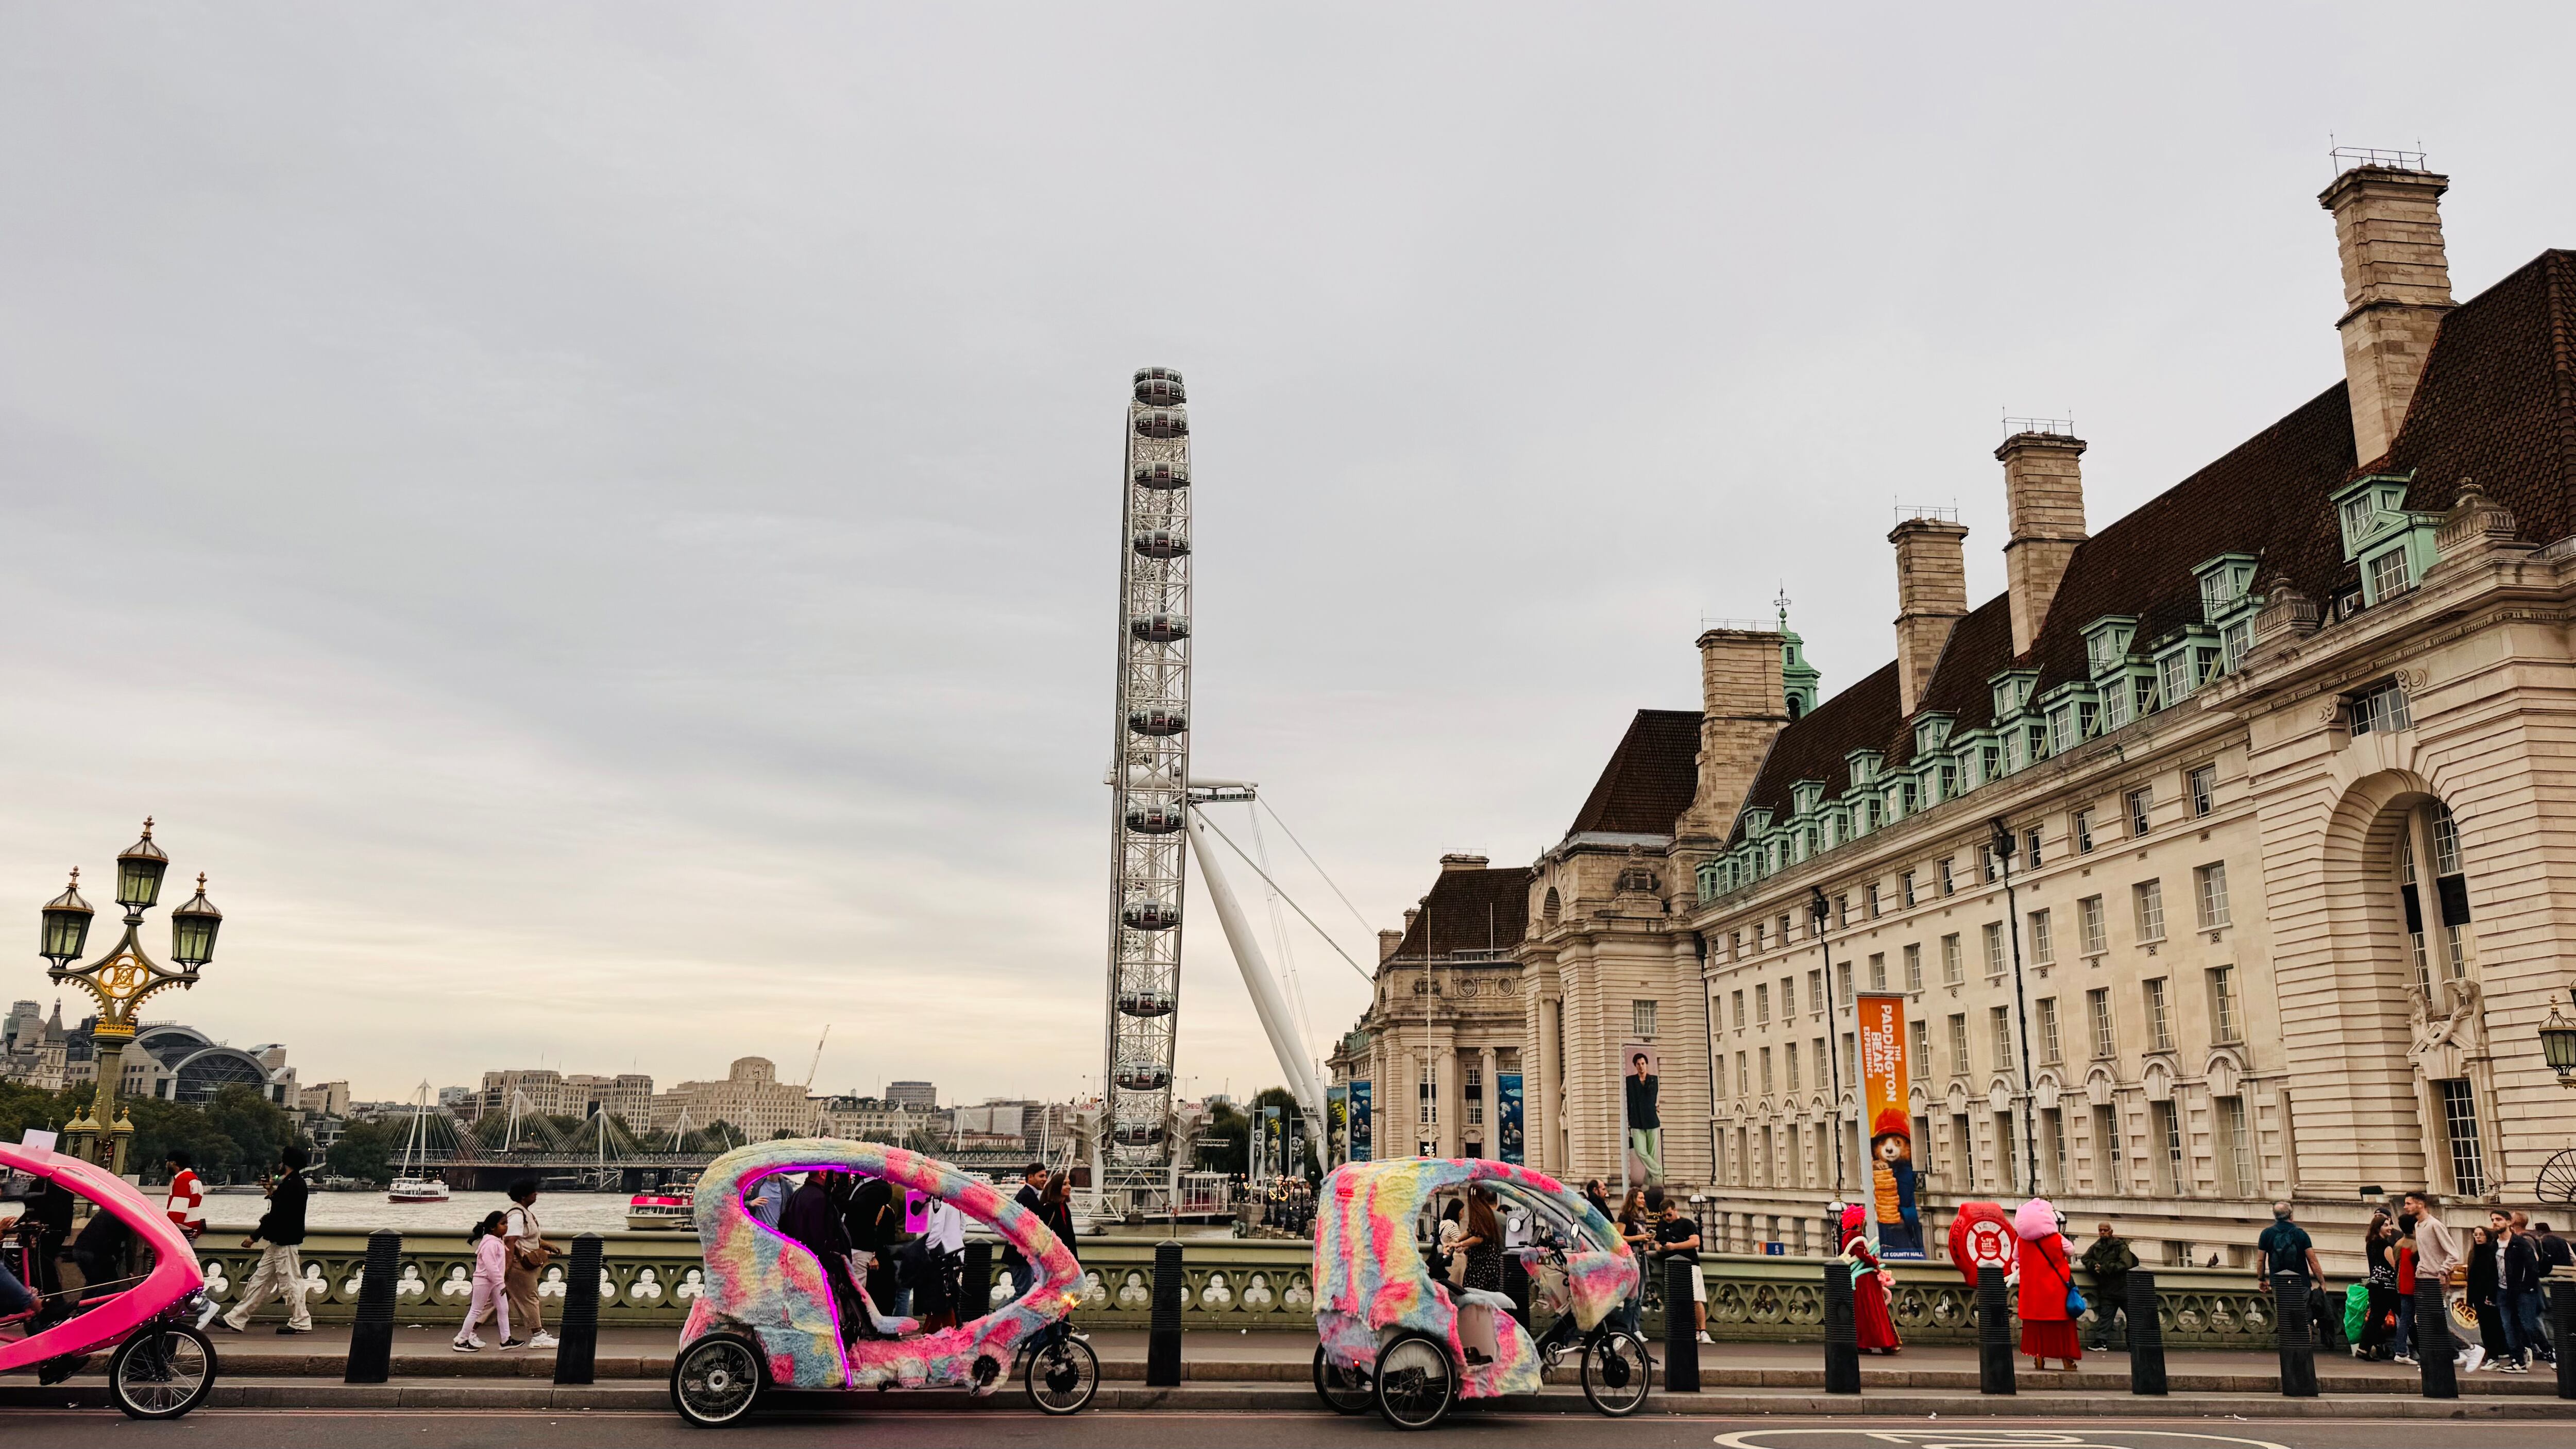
(490,1262)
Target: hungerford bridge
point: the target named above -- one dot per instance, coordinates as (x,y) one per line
(600,1156)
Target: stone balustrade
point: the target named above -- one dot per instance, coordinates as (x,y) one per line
(652,1278)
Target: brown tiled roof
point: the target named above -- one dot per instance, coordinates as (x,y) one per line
(1651,777)
(2497,402)
(1471,910)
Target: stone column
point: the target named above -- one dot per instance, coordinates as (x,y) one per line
(1453,1096)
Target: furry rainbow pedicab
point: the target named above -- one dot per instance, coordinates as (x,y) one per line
(163,1366)
(1391,1334)
(769,1320)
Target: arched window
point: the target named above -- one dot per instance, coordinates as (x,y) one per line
(1549,904)
(2435,900)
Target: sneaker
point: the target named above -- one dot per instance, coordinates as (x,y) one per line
(2407,1359)
(2472,1359)
(228,1326)
(2512,1366)
(541,1339)
(1704,1338)
(465,1345)
(54,1370)
(206,1309)
(514,1343)
(286,1329)
(2357,1353)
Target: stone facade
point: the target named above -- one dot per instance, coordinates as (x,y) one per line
(2280,757)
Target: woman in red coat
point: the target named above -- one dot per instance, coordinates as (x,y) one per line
(2047,1328)
(1876,1327)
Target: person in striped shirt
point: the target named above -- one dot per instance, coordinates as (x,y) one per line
(187,1205)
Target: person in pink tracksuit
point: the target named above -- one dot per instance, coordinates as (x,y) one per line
(491,1260)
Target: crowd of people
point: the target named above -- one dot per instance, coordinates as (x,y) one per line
(2496,1265)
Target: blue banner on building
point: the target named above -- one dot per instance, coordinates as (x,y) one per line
(1507,1104)
(1360,1122)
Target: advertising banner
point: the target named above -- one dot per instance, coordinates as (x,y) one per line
(1641,1122)
(1337,1125)
(1360,1148)
(1507,1105)
(1884,1103)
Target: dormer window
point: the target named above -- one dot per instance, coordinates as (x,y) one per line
(2106,642)
(2225,582)
(2367,508)
(1805,794)
(2012,691)
(1864,765)
(1931,732)
(2386,575)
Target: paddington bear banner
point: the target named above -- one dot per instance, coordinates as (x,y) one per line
(1885,1092)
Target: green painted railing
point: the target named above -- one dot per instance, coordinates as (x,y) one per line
(649,1279)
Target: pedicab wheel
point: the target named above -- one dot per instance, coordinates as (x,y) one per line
(162,1371)
(716,1380)
(1415,1383)
(1343,1390)
(1617,1373)
(1063,1376)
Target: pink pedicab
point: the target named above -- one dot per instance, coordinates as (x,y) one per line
(769,1320)
(1394,1337)
(162,1366)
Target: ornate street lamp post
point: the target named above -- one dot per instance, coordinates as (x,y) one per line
(121,981)
(2003,848)
(2558,1045)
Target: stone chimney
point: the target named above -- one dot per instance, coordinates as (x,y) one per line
(2044,504)
(1387,941)
(1744,702)
(1449,863)
(1931,598)
(2396,287)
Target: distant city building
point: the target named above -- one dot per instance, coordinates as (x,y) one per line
(460,1100)
(627,1096)
(866,1119)
(34,1050)
(913,1096)
(329,1099)
(751,1099)
(993,1118)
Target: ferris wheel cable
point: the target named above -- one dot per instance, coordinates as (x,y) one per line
(1317,864)
(1283,895)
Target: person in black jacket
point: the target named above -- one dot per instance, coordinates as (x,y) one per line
(817,1215)
(1024,1274)
(281,1263)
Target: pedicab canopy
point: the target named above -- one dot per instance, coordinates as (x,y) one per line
(771,1287)
(1370,1276)
(174,1272)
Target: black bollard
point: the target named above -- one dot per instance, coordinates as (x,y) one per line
(975,1284)
(1842,1336)
(2432,1345)
(2146,1336)
(371,1338)
(1681,1329)
(1163,1337)
(577,1346)
(2562,1323)
(1994,1334)
(2296,1336)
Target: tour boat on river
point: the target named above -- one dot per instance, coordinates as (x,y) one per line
(663,1209)
(412,1183)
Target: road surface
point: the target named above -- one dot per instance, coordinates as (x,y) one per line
(418,1429)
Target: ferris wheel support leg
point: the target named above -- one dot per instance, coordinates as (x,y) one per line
(1267,1003)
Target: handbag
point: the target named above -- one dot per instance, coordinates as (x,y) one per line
(2075,1304)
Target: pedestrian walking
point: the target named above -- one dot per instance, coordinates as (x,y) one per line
(2518,1287)
(2493,1337)
(491,1282)
(281,1263)
(1637,1230)
(1024,1274)
(528,1253)
(2437,1251)
(2109,1258)
(768,1198)
(2555,1259)
(186,1203)
(2379,1289)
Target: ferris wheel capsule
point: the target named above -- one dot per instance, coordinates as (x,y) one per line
(1162,543)
(1143,1076)
(1147,914)
(1158,722)
(1160,628)
(1159,387)
(1155,819)
(1163,423)
(1163,475)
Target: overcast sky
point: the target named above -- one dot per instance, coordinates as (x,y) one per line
(596,525)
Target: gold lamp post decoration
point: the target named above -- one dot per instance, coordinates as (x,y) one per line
(121,981)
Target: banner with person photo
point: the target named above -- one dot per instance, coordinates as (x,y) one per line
(1641,1122)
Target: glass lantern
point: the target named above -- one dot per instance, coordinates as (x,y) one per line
(139,871)
(192,929)
(67,919)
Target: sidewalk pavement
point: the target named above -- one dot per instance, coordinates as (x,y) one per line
(1215,1356)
